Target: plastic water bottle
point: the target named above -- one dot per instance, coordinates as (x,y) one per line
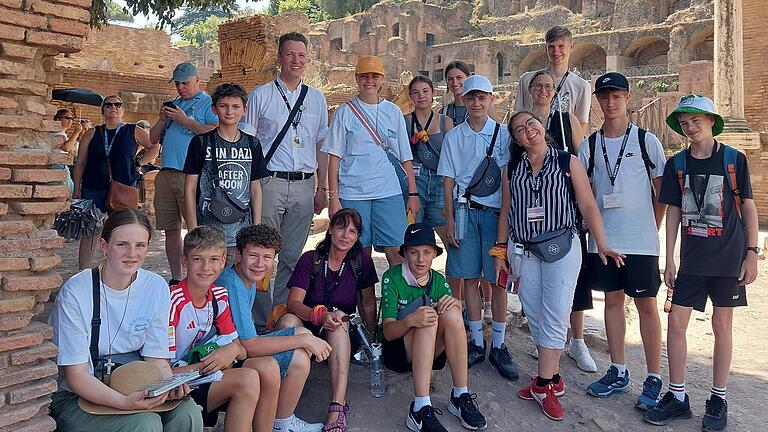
(460,218)
(668,301)
(377,371)
(516,261)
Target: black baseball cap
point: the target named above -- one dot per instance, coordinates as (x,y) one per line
(611,80)
(419,234)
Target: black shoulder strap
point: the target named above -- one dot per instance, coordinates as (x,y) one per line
(357,269)
(649,165)
(489,153)
(317,263)
(564,161)
(591,165)
(96,318)
(210,141)
(215,306)
(284,130)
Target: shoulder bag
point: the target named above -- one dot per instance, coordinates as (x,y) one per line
(224,208)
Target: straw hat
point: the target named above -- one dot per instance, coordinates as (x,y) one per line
(126,379)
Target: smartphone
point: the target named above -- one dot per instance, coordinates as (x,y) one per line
(84,121)
(169,104)
(502,282)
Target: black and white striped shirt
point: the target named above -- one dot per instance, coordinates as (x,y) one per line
(553,195)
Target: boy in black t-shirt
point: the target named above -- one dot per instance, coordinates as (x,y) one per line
(709,194)
(239,164)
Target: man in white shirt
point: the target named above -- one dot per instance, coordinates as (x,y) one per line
(289,194)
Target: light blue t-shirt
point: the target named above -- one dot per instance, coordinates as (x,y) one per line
(241,300)
(177,137)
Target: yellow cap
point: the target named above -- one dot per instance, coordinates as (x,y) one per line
(369,64)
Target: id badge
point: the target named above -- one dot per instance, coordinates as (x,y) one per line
(535,214)
(296,142)
(699,228)
(613,200)
(416,169)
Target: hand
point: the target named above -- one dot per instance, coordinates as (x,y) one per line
(670,273)
(447,302)
(316,346)
(412,205)
(140,401)
(333,320)
(175,114)
(450,229)
(334,205)
(748,272)
(604,252)
(161,114)
(500,264)
(424,316)
(78,129)
(76,194)
(179,392)
(217,360)
(320,201)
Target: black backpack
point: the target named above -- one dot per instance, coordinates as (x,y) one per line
(564,161)
(649,165)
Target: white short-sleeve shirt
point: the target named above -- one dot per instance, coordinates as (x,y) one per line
(464,149)
(631,228)
(365,171)
(575,95)
(144,328)
(266,115)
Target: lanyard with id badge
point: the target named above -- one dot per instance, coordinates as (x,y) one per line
(613,199)
(536,213)
(699,227)
(296,142)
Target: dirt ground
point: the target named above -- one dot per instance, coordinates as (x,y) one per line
(497,397)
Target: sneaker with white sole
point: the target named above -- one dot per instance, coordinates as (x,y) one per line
(534,353)
(579,351)
(424,420)
(610,383)
(295,424)
(466,409)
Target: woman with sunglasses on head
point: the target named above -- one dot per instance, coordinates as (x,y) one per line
(539,197)
(134,306)
(66,119)
(107,151)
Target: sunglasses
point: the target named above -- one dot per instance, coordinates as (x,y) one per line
(66,118)
(113,104)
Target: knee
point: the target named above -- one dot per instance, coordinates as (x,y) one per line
(146,422)
(187,417)
(721,326)
(300,361)
(289,320)
(248,385)
(615,300)
(677,325)
(268,370)
(451,318)
(646,306)
(301,330)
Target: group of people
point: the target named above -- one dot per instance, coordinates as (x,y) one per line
(525,207)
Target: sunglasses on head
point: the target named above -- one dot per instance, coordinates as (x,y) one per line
(113,104)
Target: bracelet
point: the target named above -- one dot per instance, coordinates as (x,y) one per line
(502,244)
(413,194)
(317,314)
(322,189)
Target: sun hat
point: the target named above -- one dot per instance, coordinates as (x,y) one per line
(419,234)
(369,64)
(477,83)
(183,72)
(126,379)
(611,80)
(695,104)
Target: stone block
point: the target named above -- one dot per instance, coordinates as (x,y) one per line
(39,208)
(13,4)
(19,51)
(63,43)
(15,321)
(81,3)
(3,209)
(50,192)
(38,327)
(31,355)
(23,87)
(8,139)
(59,157)
(14,264)
(15,191)
(49,126)
(10,32)
(34,106)
(31,283)
(20,157)
(69,12)
(68,26)
(22,412)
(33,391)
(43,263)
(16,227)
(16,304)
(5,173)
(8,343)
(20,121)
(38,175)
(41,423)
(6,102)
(22,19)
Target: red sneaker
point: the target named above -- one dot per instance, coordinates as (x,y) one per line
(525,392)
(550,404)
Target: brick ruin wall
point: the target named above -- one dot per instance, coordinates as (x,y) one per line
(32,32)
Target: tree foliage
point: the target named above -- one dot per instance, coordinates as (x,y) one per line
(342,8)
(201,32)
(115,12)
(309,7)
(319,10)
(192,16)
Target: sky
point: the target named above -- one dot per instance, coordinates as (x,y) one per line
(140,21)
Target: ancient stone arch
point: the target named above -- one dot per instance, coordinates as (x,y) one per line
(647,50)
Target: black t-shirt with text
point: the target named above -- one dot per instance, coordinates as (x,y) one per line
(722,251)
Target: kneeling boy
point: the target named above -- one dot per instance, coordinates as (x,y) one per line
(423,328)
(256,247)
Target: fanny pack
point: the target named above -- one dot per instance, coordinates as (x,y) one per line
(487,177)
(551,246)
(224,208)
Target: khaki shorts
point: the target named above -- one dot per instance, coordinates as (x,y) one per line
(169,199)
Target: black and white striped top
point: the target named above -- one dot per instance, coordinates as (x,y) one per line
(559,211)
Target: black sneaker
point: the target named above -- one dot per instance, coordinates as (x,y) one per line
(424,420)
(716,415)
(475,354)
(502,361)
(668,409)
(465,408)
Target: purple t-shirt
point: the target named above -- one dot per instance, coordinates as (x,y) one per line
(342,292)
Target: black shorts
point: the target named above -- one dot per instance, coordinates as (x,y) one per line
(638,277)
(395,357)
(354,339)
(582,296)
(692,291)
(200,396)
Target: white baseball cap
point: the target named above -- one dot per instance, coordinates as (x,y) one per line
(477,83)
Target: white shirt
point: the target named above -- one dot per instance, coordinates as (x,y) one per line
(365,171)
(464,149)
(266,115)
(145,326)
(575,95)
(631,228)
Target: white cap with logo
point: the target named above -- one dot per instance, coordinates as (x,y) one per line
(477,83)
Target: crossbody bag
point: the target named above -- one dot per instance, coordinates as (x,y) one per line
(224,207)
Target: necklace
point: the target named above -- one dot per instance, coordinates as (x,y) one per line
(111,339)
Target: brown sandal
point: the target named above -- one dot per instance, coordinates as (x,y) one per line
(341,421)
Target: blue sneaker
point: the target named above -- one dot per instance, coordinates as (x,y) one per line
(609,384)
(649,398)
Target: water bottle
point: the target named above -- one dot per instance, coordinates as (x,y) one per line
(460,218)
(516,261)
(377,371)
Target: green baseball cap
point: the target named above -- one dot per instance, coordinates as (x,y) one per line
(695,104)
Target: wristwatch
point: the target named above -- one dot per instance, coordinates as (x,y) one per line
(754,249)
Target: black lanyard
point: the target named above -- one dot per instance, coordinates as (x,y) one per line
(536,181)
(296,119)
(330,303)
(415,122)
(613,173)
(698,198)
(556,99)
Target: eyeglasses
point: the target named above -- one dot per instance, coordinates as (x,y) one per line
(66,118)
(540,86)
(113,104)
(529,124)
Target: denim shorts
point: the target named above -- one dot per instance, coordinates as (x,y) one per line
(471,258)
(384,220)
(431,198)
(99,197)
(283,358)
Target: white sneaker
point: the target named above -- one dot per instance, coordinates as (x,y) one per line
(535,353)
(295,424)
(579,351)
(487,313)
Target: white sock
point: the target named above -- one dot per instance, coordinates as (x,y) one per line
(279,423)
(621,368)
(476,332)
(458,391)
(420,402)
(678,390)
(499,329)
